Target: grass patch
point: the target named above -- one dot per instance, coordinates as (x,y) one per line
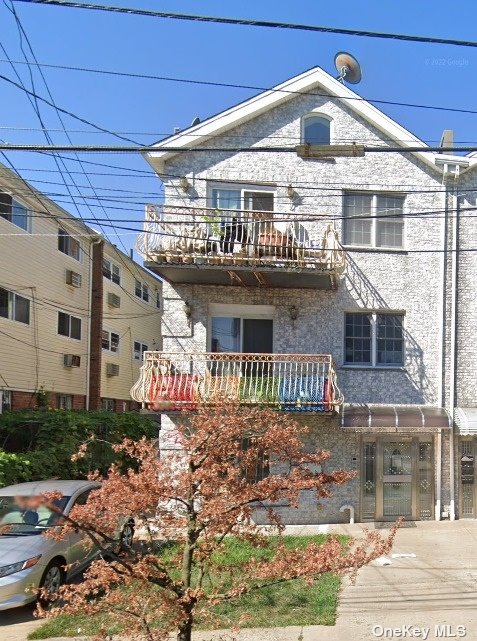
(292,603)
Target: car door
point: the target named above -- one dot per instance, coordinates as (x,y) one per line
(81,553)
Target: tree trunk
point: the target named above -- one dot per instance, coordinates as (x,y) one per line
(185,628)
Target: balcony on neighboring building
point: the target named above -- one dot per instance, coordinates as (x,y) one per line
(207,246)
(171,382)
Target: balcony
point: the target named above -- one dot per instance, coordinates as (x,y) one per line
(244,248)
(172,382)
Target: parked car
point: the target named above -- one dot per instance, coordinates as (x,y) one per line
(28,560)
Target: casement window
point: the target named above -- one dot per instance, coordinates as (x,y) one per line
(139,349)
(14,211)
(315,130)
(69,326)
(142,290)
(107,404)
(110,341)
(111,271)
(14,306)
(68,245)
(374,339)
(64,402)
(373,220)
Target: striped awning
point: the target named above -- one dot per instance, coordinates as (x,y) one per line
(416,417)
(466,420)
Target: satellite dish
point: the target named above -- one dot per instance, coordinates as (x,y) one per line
(348,68)
(195,121)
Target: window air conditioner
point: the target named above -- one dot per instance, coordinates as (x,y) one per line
(73,278)
(71,360)
(114,300)
(112,369)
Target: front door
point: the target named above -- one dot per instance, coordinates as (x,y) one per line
(397,479)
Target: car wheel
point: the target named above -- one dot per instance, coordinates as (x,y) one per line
(52,580)
(127,535)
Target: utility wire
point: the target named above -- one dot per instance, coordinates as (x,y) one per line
(253,23)
(232,85)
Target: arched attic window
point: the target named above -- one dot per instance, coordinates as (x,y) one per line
(316,130)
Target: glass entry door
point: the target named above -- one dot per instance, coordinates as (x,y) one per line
(397,478)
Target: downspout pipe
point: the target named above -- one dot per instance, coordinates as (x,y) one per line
(453,349)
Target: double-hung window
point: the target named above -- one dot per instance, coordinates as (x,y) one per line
(373,220)
(69,326)
(14,211)
(142,290)
(111,271)
(374,339)
(68,245)
(14,306)
(64,401)
(139,349)
(110,341)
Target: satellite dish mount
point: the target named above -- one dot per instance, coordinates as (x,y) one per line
(348,68)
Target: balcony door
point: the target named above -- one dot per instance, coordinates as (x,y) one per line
(248,335)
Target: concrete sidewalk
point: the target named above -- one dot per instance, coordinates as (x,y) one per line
(437,587)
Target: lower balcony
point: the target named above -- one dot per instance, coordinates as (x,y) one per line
(243,248)
(171,382)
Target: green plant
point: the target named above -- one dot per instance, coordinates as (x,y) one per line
(212,220)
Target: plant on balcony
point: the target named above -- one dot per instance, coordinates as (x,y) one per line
(228,463)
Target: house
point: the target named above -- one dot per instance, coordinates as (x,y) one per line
(336,286)
(76,313)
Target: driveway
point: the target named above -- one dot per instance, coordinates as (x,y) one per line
(426,596)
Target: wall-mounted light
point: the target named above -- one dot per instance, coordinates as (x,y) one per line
(291,193)
(293,313)
(188,312)
(184,184)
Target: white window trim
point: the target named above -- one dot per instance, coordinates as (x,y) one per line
(112,264)
(374,365)
(11,308)
(108,400)
(65,396)
(108,350)
(242,187)
(80,258)
(28,230)
(62,311)
(316,114)
(149,291)
(142,343)
(374,246)
(244,312)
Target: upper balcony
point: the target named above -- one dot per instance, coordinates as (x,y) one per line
(234,247)
(171,382)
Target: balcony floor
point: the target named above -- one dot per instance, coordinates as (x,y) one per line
(243,276)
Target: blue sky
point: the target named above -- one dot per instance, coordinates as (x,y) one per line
(429,74)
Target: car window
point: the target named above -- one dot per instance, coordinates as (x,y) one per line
(23,515)
(82,498)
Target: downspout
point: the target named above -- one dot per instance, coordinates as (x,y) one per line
(453,349)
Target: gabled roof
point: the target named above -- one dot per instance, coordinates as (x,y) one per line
(305,82)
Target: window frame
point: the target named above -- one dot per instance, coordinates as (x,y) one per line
(109,273)
(5,400)
(144,290)
(243,188)
(142,348)
(318,115)
(69,239)
(69,316)
(14,202)
(105,402)
(241,312)
(12,306)
(60,402)
(109,349)
(375,220)
(374,338)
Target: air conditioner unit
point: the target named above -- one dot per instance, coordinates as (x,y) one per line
(73,278)
(114,300)
(112,369)
(71,360)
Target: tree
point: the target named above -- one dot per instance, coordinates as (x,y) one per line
(207,491)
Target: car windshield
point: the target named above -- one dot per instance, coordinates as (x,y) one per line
(19,518)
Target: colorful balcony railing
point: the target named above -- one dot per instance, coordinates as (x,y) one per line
(177,237)
(186,381)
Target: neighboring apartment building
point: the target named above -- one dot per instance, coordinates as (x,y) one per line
(331,287)
(76,313)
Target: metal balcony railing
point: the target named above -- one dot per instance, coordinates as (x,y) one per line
(185,381)
(236,238)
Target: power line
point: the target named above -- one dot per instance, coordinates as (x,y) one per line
(254,23)
(231,85)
